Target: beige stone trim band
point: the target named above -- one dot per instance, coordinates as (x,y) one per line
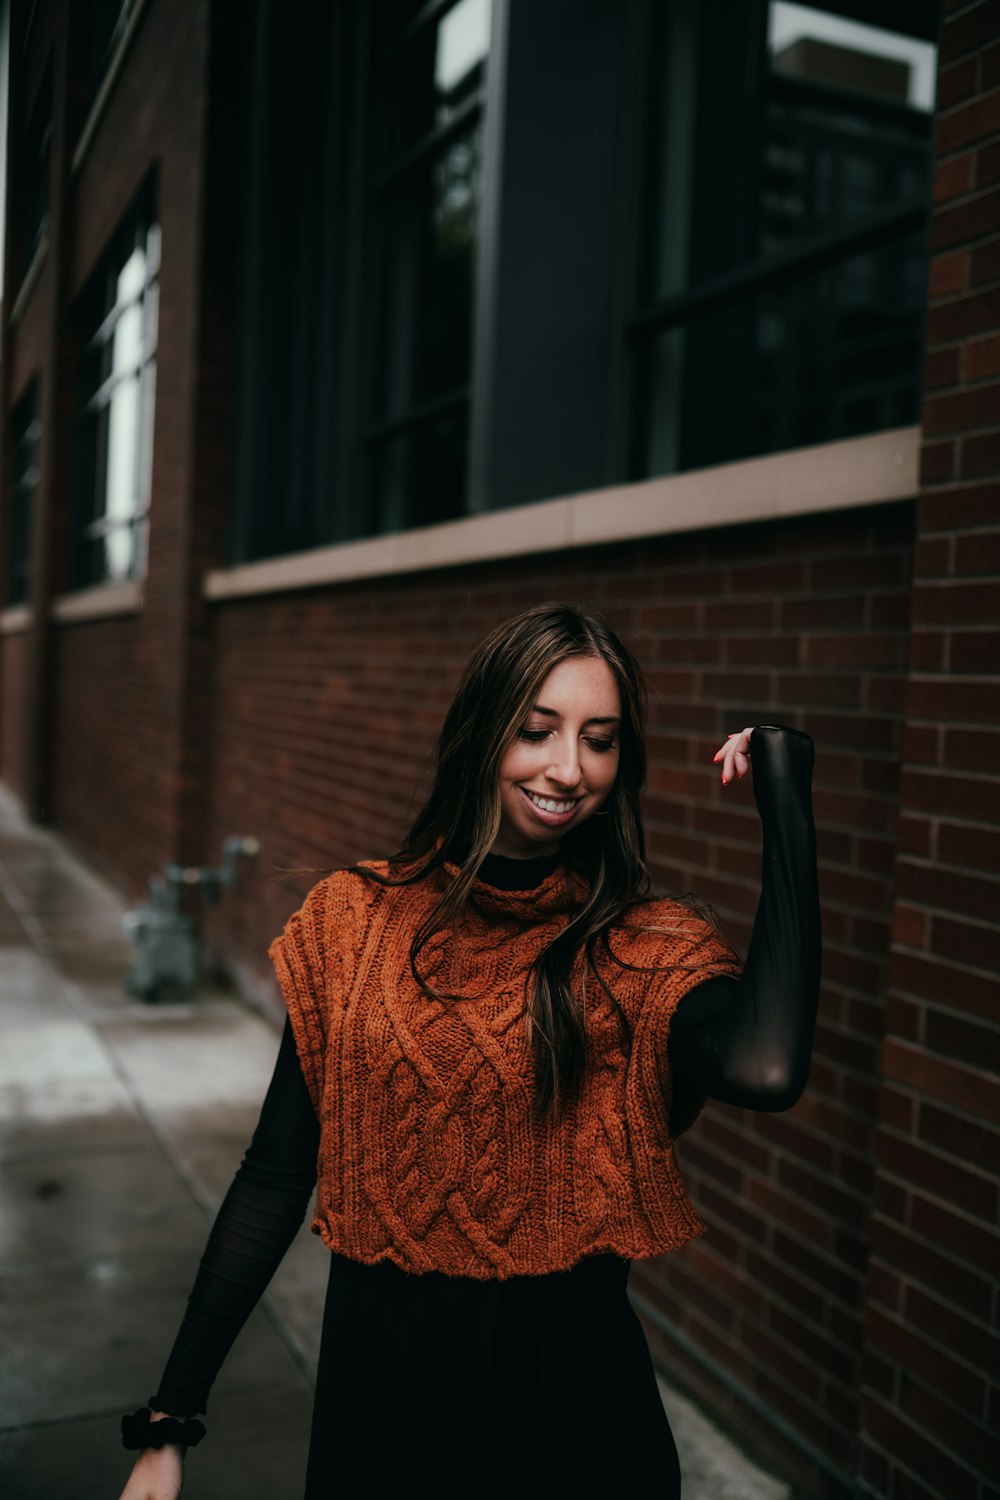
(100,603)
(828,477)
(15,619)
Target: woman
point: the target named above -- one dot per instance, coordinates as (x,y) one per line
(493,1040)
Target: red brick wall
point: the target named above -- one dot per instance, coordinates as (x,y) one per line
(109,790)
(13,667)
(136,670)
(325,711)
(930,1415)
(847,1284)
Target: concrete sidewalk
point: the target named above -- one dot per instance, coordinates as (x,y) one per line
(121,1125)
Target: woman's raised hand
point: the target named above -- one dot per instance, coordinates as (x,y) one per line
(158,1474)
(735,755)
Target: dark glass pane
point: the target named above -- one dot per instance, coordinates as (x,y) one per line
(773,124)
(432,74)
(425,306)
(36,154)
(427,169)
(27,434)
(108,20)
(831,354)
(418,477)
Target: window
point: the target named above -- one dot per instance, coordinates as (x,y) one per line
(429,102)
(357,193)
(783,264)
(33,198)
(108,21)
(117,383)
(27,434)
(704,238)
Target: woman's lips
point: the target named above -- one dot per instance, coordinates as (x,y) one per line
(552,819)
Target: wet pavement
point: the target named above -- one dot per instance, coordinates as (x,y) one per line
(121,1124)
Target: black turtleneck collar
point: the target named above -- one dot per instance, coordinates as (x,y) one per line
(505,874)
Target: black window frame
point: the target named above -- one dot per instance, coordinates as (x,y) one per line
(34,180)
(99,313)
(26,433)
(733,290)
(108,21)
(388,171)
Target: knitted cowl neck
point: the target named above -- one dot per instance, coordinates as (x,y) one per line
(528,892)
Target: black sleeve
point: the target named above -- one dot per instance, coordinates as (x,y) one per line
(748,1041)
(257,1222)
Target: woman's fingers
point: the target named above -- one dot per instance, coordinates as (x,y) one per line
(735,755)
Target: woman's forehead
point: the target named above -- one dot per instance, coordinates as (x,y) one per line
(580,682)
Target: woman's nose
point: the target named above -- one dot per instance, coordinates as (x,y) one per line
(564,767)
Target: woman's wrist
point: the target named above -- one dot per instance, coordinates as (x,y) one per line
(147,1428)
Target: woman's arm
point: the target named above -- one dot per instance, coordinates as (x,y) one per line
(749,1041)
(256,1223)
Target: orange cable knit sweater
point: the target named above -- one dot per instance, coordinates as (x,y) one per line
(430,1154)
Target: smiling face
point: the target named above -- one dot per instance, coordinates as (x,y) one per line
(563,764)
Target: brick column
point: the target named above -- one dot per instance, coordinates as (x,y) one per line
(927,1406)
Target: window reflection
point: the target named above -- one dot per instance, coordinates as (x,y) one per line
(805,41)
(429,162)
(827,355)
(463,40)
(118,374)
(27,430)
(826,135)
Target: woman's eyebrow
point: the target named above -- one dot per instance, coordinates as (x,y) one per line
(538,708)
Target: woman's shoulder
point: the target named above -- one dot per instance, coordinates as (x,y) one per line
(370,884)
(663,914)
(668,929)
(349,889)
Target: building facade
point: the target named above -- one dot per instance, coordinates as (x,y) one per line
(328,344)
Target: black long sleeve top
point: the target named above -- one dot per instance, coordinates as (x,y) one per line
(745,1041)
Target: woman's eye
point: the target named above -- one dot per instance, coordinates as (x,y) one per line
(535,735)
(601,746)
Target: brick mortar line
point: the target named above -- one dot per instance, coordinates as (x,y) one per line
(928,863)
(780,1428)
(978,97)
(946,1159)
(788,1154)
(941,1393)
(970,291)
(920,1430)
(974,384)
(910,1045)
(952,299)
(801,1279)
(943,206)
(940,1007)
(907,1277)
(959,434)
(953,1209)
(992,529)
(918,1096)
(980,923)
(945,486)
(824,1375)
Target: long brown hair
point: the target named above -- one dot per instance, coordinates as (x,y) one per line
(460,820)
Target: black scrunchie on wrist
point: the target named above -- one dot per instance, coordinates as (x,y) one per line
(140,1431)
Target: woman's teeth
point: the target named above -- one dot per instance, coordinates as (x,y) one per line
(549,804)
